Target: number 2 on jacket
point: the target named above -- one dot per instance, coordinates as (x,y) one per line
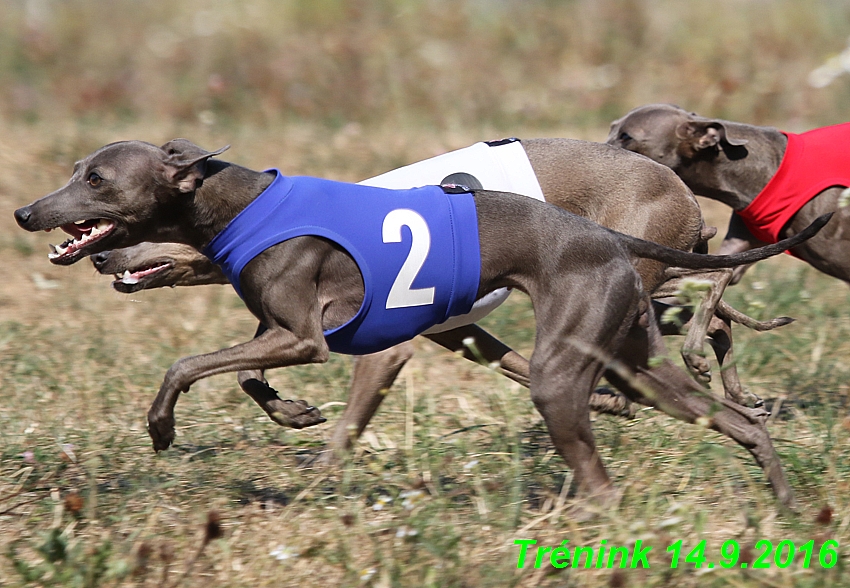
(401,294)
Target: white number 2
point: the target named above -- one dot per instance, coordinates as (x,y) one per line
(401,294)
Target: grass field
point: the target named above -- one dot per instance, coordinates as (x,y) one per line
(457,464)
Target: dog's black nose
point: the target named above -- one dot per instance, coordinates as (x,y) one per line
(98,259)
(22,215)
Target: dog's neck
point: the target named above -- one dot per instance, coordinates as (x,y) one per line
(736,175)
(226,190)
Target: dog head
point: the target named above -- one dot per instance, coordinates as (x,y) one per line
(673,136)
(120,195)
(157,265)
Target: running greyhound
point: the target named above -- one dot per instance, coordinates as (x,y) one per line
(356,269)
(157,265)
(567,174)
(776,182)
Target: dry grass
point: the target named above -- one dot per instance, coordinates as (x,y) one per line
(84,501)
(449,64)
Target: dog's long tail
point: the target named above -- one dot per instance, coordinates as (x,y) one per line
(674,257)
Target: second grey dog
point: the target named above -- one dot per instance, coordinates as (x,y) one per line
(733,163)
(589,303)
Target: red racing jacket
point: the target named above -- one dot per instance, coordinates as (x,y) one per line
(813,161)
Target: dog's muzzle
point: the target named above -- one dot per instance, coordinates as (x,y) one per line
(22,216)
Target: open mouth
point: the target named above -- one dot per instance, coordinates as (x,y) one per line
(83,233)
(133,278)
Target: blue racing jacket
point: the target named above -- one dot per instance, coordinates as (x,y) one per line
(417,251)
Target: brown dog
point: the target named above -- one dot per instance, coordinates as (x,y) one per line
(588,299)
(737,164)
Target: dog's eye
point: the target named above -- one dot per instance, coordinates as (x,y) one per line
(94,180)
(624,136)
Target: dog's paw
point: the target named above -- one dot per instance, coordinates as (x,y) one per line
(295,414)
(747,399)
(161,430)
(754,401)
(326,458)
(758,414)
(607,401)
(699,367)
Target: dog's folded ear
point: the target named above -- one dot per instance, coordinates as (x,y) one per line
(705,134)
(183,147)
(185,162)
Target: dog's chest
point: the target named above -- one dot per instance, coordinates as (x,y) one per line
(417,251)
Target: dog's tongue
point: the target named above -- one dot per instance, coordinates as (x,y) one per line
(77,230)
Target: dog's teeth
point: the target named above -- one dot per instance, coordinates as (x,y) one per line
(82,222)
(102,225)
(56,251)
(129,279)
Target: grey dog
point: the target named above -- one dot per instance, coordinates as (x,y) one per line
(157,265)
(733,163)
(567,169)
(590,306)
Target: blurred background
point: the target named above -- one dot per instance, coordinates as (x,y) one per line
(440,64)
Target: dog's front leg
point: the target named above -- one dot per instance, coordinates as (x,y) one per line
(277,347)
(720,338)
(373,376)
(295,414)
(693,349)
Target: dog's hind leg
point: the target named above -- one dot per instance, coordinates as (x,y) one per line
(560,390)
(719,334)
(680,397)
(476,344)
(373,376)
(566,365)
(669,389)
